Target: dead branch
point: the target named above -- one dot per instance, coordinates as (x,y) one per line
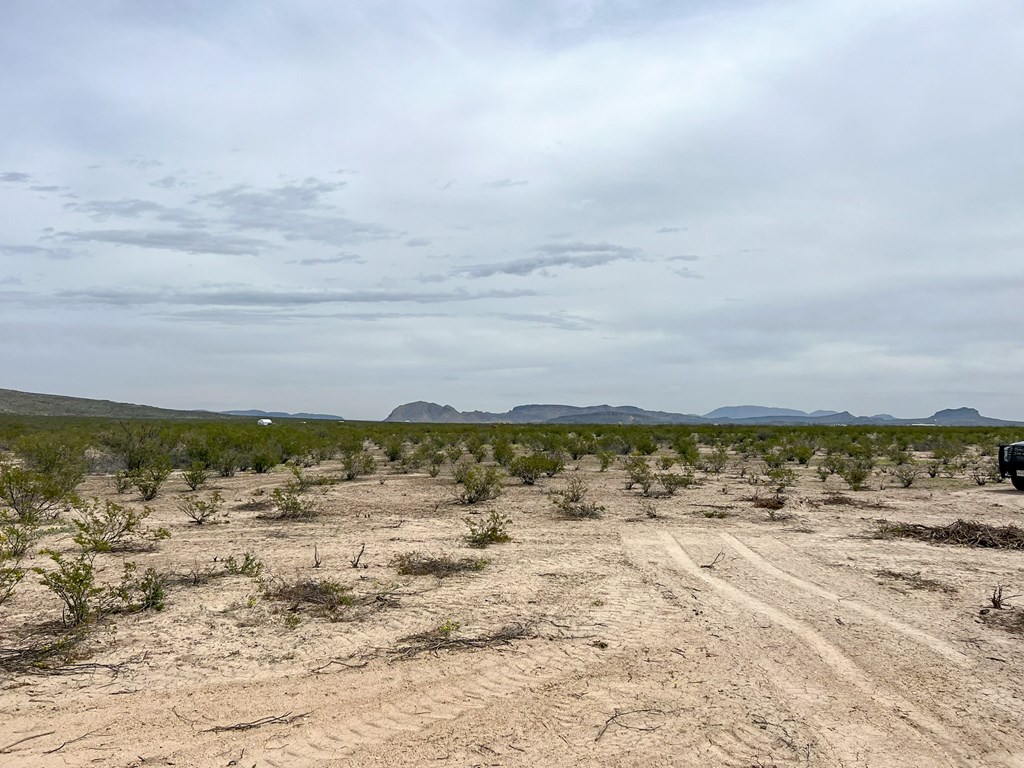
(614,720)
(72,741)
(22,741)
(284,719)
(714,562)
(359,556)
(341,663)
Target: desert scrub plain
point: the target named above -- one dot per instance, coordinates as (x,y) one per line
(317,594)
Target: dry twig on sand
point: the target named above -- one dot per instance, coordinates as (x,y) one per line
(284,719)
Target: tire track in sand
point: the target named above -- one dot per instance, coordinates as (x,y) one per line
(841,665)
(940,647)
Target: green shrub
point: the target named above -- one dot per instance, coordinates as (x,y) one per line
(10,559)
(671,481)
(195,475)
(394,449)
(504,455)
(492,529)
(74,582)
(16,538)
(357,463)
(855,472)
(480,484)
(572,501)
(605,459)
(529,469)
(148,479)
(107,525)
(32,496)
(60,459)
(907,473)
(638,473)
(291,506)
(717,460)
(249,565)
(122,481)
(199,511)
(141,593)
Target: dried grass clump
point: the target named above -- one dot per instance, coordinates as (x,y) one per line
(962,533)
(419,564)
(916,581)
(324,597)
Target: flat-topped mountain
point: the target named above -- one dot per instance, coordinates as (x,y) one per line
(257,414)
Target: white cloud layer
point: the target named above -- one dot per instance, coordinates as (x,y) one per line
(344,206)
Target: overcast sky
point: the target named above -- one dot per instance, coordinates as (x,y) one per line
(344,206)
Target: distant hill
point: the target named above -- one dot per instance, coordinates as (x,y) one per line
(424,412)
(758,411)
(18,403)
(255,414)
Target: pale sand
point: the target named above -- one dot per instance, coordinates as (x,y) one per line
(790,651)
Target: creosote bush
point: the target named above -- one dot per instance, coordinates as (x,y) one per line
(479,484)
(572,501)
(907,473)
(199,511)
(249,565)
(195,475)
(148,479)
(102,526)
(492,529)
(291,506)
(11,553)
(356,464)
(34,497)
(74,582)
(530,468)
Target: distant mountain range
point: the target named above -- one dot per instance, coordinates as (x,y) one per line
(282,415)
(424,412)
(15,402)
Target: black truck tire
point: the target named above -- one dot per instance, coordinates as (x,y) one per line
(1018,483)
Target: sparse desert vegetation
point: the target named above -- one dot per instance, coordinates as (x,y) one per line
(644,588)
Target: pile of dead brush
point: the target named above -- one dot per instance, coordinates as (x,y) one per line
(963,533)
(446,638)
(441,566)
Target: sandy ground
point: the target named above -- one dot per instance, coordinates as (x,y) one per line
(791,650)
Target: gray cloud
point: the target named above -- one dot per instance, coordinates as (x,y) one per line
(294,211)
(167,182)
(134,208)
(688,273)
(416,242)
(577,255)
(341,258)
(269,298)
(59,254)
(506,183)
(842,174)
(192,241)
